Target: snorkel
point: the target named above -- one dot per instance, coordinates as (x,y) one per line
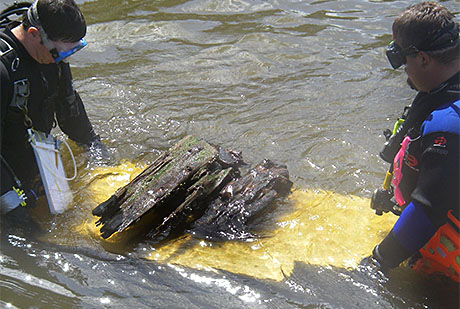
(59,50)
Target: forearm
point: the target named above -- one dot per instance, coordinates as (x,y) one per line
(412,230)
(77,127)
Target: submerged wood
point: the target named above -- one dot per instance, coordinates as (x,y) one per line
(194,184)
(242,200)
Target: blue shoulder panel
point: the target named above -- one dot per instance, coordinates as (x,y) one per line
(444,119)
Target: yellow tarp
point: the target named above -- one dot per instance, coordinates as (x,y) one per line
(312,226)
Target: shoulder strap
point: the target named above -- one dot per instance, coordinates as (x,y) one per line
(21,87)
(7,53)
(422,106)
(13,13)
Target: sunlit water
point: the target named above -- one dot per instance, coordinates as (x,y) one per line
(304,83)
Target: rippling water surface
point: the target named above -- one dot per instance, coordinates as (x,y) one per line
(304,83)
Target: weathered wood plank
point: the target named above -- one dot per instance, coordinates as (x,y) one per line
(156,187)
(241,200)
(195,185)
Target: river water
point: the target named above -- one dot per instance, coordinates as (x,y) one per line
(304,83)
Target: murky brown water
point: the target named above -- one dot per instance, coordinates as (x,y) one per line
(304,83)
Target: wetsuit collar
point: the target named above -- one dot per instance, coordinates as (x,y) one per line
(454,80)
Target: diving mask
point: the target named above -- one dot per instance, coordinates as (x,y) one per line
(61,51)
(397,55)
(58,50)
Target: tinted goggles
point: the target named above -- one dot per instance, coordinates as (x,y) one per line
(60,55)
(397,55)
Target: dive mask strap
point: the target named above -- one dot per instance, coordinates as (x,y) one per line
(32,15)
(453,36)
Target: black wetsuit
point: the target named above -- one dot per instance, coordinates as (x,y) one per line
(50,98)
(430,183)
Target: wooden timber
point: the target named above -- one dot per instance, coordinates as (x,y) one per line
(188,186)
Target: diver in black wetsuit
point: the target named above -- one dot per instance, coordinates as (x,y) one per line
(36,89)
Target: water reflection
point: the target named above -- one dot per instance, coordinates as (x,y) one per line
(304,83)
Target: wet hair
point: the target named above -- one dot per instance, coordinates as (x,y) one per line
(62,20)
(431,28)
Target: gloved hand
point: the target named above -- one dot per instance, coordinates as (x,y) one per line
(98,153)
(378,262)
(17,198)
(382,202)
(375,265)
(372,266)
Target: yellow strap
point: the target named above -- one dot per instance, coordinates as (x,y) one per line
(387,181)
(21,195)
(397,124)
